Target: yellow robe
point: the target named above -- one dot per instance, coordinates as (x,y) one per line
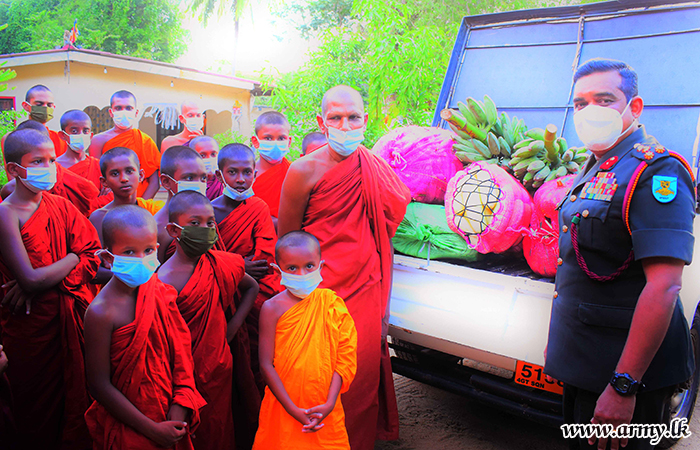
(313,339)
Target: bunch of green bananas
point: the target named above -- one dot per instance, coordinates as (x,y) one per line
(481,134)
(542,156)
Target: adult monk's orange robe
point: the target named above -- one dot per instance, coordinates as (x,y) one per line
(76,189)
(59,144)
(45,348)
(145,148)
(151,205)
(354,210)
(152,366)
(268,186)
(313,339)
(248,231)
(203,303)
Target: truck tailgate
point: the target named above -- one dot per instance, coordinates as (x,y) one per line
(472,311)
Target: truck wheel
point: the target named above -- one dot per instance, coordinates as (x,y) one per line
(682,404)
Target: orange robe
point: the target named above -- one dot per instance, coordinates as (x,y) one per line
(145,148)
(203,303)
(152,366)
(354,210)
(58,144)
(45,348)
(151,205)
(248,231)
(76,189)
(268,186)
(313,339)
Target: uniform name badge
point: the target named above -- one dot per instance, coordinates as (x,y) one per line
(663,188)
(601,187)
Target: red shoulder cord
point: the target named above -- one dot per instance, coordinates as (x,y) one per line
(582,262)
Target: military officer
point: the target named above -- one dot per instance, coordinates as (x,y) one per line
(618,338)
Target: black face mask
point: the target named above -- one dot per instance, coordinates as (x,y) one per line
(196,241)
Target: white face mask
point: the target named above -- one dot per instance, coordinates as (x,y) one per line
(237,196)
(124,119)
(197,186)
(39,178)
(599,127)
(79,142)
(194,124)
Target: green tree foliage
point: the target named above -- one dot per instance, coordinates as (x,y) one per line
(7,118)
(142,28)
(395,52)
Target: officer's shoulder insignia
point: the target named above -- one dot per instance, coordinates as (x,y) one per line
(664,188)
(649,151)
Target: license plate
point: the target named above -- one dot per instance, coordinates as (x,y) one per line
(532,375)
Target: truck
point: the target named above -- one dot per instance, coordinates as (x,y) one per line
(480,329)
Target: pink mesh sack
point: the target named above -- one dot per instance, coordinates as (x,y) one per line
(487,206)
(541,242)
(423,159)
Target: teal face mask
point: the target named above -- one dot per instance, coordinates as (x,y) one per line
(345,142)
(135,271)
(40,178)
(273,151)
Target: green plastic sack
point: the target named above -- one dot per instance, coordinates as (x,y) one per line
(424,233)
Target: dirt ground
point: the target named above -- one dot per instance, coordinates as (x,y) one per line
(432,419)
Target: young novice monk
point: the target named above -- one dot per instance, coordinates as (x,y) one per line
(312,142)
(272,142)
(246,229)
(208,149)
(39,103)
(207,281)
(121,174)
(137,346)
(71,186)
(47,258)
(76,132)
(125,134)
(308,346)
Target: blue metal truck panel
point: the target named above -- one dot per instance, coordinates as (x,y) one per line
(525,61)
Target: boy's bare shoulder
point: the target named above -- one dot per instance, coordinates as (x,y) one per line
(277,305)
(110,309)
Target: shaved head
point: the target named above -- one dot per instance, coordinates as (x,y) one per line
(74,115)
(33,125)
(342,94)
(20,142)
(173,156)
(235,151)
(271,118)
(185,107)
(34,90)
(297,239)
(313,141)
(183,201)
(122,94)
(115,152)
(123,217)
(199,140)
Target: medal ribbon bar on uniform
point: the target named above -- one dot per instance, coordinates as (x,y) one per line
(601,187)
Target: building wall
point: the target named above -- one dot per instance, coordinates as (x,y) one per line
(77,85)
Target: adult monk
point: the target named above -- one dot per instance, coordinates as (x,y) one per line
(125,134)
(193,120)
(272,141)
(39,103)
(47,258)
(352,201)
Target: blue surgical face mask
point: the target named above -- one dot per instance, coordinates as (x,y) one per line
(273,151)
(135,271)
(211,164)
(197,186)
(39,178)
(301,285)
(237,196)
(79,142)
(345,143)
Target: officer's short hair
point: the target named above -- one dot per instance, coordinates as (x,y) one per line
(597,65)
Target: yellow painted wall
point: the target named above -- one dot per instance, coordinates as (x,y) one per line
(77,85)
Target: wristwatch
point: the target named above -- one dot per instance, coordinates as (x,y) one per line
(624,384)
